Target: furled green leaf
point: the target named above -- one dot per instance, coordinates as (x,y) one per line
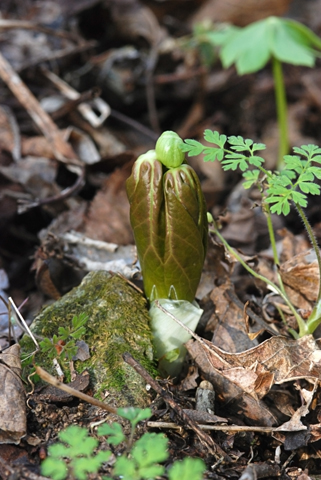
(147,214)
(168,216)
(186,233)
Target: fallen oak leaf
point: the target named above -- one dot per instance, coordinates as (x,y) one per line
(250,374)
(232,395)
(301,281)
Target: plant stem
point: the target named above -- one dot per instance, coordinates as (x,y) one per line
(303,330)
(315,318)
(273,245)
(281,108)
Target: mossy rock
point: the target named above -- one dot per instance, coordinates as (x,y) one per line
(118,322)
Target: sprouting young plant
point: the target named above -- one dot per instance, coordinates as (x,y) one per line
(74,456)
(276,39)
(64,345)
(204,39)
(169,219)
(279,190)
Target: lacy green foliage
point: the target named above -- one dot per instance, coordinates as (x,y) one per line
(78,448)
(279,189)
(168,217)
(74,455)
(64,345)
(292,184)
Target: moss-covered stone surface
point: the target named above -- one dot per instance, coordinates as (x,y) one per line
(118,322)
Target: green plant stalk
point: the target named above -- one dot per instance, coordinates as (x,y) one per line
(267,213)
(314,319)
(282,111)
(303,329)
(273,245)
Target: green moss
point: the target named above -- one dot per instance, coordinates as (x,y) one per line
(118,322)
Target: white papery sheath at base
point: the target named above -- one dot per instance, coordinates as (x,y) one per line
(169,335)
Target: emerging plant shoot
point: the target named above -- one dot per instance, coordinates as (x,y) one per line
(169,219)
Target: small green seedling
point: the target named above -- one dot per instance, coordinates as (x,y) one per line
(64,345)
(279,190)
(204,37)
(141,460)
(276,39)
(73,456)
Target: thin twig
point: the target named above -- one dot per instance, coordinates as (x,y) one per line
(204,438)
(75,393)
(24,205)
(70,105)
(134,124)
(63,151)
(219,428)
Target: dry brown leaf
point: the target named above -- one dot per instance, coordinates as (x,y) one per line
(239,13)
(189,382)
(235,399)
(42,147)
(37,146)
(295,424)
(230,332)
(252,373)
(302,278)
(204,417)
(108,217)
(37,175)
(136,21)
(13,417)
